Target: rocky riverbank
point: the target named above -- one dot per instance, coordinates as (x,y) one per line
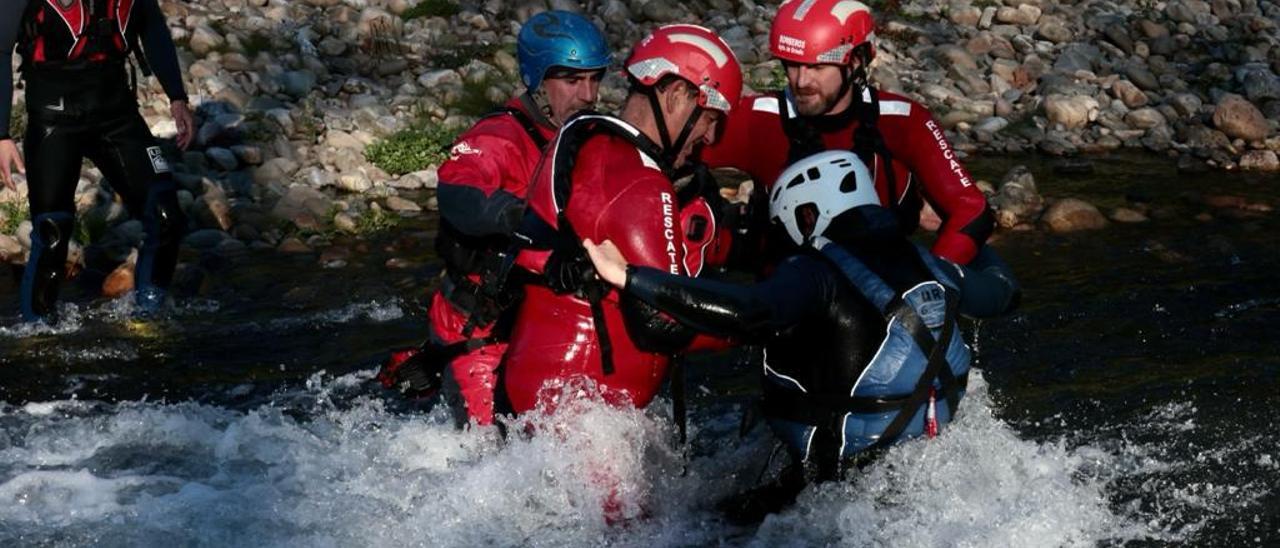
(322,121)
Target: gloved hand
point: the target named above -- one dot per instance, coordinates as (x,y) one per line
(413,372)
(567,270)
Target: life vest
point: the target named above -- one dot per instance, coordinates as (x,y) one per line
(912,384)
(476,281)
(62,32)
(697,222)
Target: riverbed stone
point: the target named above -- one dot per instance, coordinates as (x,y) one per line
(1071,215)
(1238,118)
(1070,111)
(1260,160)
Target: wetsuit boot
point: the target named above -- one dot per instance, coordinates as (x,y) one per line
(158,257)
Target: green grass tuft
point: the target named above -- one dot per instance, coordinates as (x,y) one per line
(11,215)
(431,8)
(375,221)
(18,120)
(411,149)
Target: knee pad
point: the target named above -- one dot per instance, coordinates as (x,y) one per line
(50,237)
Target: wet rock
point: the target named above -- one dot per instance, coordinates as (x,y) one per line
(1142,77)
(661,11)
(10,249)
(223,158)
(1127,215)
(298,83)
(205,40)
(293,245)
(1144,118)
(398,204)
(208,238)
(1070,111)
(248,154)
(1017,198)
(1260,85)
(1129,94)
(1024,15)
(302,200)
(964,15)
(119,281)
(1238,118)
(1054,30)
(1260,160)
(1071,215)
(344,222)
(1186,104)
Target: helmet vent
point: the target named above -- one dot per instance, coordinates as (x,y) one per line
(849,183)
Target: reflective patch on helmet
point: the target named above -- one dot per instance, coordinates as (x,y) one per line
(158,163)
(895,108)
(649,70)
(715,51)
(803,10)
(715,99)
(842,10)
(836,55)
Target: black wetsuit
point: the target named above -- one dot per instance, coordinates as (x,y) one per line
(841,360)
(81,104)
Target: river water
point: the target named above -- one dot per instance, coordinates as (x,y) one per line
(1129,401)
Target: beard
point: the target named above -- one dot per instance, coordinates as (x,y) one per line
(812,102)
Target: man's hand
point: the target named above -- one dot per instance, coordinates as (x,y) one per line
(610,264)
(10,160)
(182,117)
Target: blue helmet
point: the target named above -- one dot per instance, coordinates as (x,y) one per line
(559,39)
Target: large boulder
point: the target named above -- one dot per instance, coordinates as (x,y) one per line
(1238,118)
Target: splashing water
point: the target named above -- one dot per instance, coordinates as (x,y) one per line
(334,466)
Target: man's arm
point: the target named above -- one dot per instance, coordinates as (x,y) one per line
(162,56)
(473,193)
(966,221)
(795,289)
(10,23)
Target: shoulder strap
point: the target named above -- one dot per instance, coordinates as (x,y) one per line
(530,127)
(868,142)
(802,138)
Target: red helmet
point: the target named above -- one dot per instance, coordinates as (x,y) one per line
(695,54)
(821,31)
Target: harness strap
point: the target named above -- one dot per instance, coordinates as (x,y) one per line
(937,353)
(530,127)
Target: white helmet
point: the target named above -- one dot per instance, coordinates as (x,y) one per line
(817,189)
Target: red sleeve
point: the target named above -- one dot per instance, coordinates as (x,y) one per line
(923,147)
(491,158)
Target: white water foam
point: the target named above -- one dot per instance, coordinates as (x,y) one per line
(352,473)
(73,317)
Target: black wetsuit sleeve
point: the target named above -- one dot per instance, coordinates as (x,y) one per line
(799,286)
(987,286)
(157,43)
(474,214)
(10,22)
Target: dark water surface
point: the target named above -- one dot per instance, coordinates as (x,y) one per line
(1130,400)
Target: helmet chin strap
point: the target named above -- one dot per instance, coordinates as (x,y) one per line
(671,149)
(539,106)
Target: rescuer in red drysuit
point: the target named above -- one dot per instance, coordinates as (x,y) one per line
(607,177)
(826,47)
(481,195)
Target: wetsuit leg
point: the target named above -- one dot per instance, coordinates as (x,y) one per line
(53,151)
(131,158)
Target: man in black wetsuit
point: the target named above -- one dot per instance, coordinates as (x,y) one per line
(81,103)
(860,323)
